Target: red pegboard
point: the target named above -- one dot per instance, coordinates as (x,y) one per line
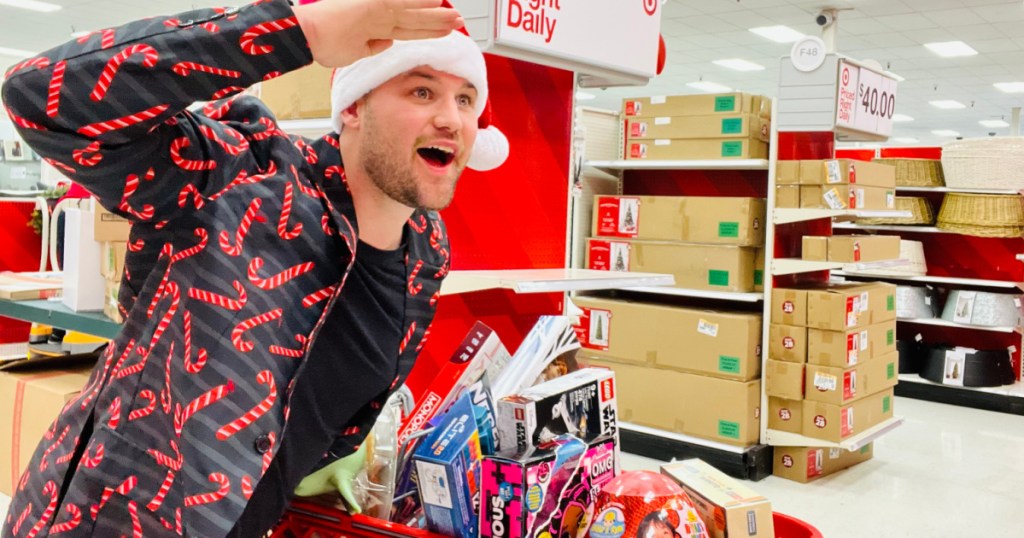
(20,252)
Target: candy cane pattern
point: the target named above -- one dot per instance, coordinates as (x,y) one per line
(247,487)
(143,412)
(414,289)
(271,75)
(308,191)
(197,366)
(90,156)
(259,30)
(286,212)
(268,456)
(405,339)
(220,300)
(173,466)
(216,111)
(91,462)
(21,518)
(96,129)
(106,38)
(175,293)
(208,398)
(435,297)
(190,165)
(332,140)
(67,457)
(90,391)
(203,236)
(418,227)
(60,166)
(115,413)
(243,230)
(224,487)
(72,523)
(265,377)
(197,199)
(52,490)
(224,92)
(38,63)
(244,345)
(270,129)
(187,68)
(149,58)
(234,151)
(133,513)
(137,245)
(279,279)
(423,341)
(123,489)
(165,393)
(325,223)
(241,179)
(53,95)
(130,186)
(317,296)
(307,150)
(43,461)
(288,352)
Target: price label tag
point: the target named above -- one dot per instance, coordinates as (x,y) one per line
(846,100)
(866,100)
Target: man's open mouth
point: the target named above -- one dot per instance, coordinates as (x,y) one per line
(436,155)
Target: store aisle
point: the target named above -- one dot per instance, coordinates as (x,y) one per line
(947,472)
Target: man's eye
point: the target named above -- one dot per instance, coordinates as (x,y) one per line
(422,93)
(465,100)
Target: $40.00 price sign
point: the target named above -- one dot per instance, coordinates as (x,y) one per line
(866,100)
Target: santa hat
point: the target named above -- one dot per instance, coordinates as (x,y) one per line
(456,54)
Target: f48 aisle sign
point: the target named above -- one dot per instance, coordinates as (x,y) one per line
(866,100)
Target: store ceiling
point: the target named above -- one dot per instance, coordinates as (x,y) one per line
(699,31)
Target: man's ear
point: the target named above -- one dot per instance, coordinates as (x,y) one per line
(352,115)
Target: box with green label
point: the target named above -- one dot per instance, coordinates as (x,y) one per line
(759,270)
(678,149)
(851,346)
(714,219)
(750,126)
(846,306)
(702,406)
(697,105)
(806,464)
(694,266)
(720,344)
(830,422)
(840,386)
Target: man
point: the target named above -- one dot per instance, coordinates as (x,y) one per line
(276,295)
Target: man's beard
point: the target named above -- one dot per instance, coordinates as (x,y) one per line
(391,172)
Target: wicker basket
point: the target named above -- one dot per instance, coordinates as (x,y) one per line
(984,163)
(916,172)
(985,215)
(920,209)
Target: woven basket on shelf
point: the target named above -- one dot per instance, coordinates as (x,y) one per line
(984,163)
(920,209)
(985,215)
(916,172)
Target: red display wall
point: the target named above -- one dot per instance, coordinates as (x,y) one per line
(19,251)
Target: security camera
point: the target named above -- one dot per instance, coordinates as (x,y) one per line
(991,133)
(825,18)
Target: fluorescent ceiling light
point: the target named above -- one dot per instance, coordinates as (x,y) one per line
(947,104)
(951,49)
(1010,87)
(894,76)
(945,132)
(994,123)
(584,96)
(778,34)
(17,53)
(711,87)
(32,5)
(739,65)
(899,118)
(904,140)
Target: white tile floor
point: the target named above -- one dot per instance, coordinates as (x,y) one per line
(948,472)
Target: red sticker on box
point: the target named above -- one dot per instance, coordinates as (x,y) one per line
(607,390)
(814,463)
(856,251)
(618,217)
(638,151)
(787,461)
(788,342)
(851,312)
(520,415)
(846,427)
(593,329)
(852,348)
(820,422)
(638,129)
(632,108)
(788,307)
(849,385)
(785,414)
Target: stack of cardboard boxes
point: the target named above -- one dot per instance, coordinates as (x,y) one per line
(832,365)
(681,127)
(835,184)
(111,231)
(685,370)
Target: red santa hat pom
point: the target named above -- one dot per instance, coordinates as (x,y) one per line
(455,53)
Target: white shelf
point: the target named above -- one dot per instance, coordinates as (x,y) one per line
(788,215)
(944,323)
(790,266)
(956,190)
(780,438)
(1014,391)
(701,294)
(711,164)
(684,438)
(548,280)
(309,128)
(890,227)
(935,280)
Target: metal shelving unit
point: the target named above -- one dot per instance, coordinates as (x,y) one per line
(944,323)
(956,190)
(933,280)
(890,228)
(548,280)
(791,215)
(751,297)
(1005,399)
(55,314)
(736,164)
(781,438)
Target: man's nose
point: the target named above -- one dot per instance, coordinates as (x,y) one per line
(447,115)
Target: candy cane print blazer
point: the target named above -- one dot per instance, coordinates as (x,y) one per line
(236,256)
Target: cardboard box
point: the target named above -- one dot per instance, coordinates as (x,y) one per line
(112,254)
(787,343)
(581,403)
(789,306)
(714,220)
(751,126)
(845,306)
(696,105)
(545,491)
(111,289)
(759,270)
(840,386)
(863,248)
(847,172)
(22,286)
(720,344)
(728,508)
(694,266)
(835,423)
(303,93)
(108,226)
(83,285)
(846,197)
(670,149)
(707,407)
(785,415)
(784,379)
(804,464)
(787,172)
(846,348)
(787,196)
(814,248)
(32,394)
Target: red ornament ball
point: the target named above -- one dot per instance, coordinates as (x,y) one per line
(645,504)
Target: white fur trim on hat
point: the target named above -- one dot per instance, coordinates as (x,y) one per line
(455,53)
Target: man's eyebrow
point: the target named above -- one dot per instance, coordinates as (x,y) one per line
(424,75)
